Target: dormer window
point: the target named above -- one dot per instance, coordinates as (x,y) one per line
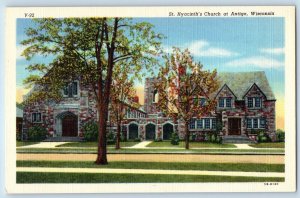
(225,102)
(254,102)
(71,90)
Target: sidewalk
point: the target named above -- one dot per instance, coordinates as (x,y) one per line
(43,145)
(142,144)
(149,171)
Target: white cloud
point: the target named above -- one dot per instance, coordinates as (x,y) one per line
(203,48)
(167,49)
(273,51)
(256,61)
(20,49)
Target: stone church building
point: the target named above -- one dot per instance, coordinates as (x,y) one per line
(245,106)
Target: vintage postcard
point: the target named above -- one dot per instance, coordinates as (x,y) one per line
(150,99)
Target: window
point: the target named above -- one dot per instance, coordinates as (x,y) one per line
(155,97)
(225,102)
(257,102)
(71,90)
(250,102)
(256,123)
(228,102)
(202,102)
(192,124)
(36,117)
(200,123)
(207,123)
(221,102)
(262,123)
(249,123)
(213,123)
(254,102)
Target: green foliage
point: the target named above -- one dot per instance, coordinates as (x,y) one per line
(219,139)
(19,135)
(263,137)
(158,140)
(82,47)
(137,140)
(280,135)
(174,139)
(193,137)
(37,133)
(90,131)
(111,137)
(213,138)
(20,105)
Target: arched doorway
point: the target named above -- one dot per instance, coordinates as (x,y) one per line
(168,129)
(150,131)
(133,130)
(68,122)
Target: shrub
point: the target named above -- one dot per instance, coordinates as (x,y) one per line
(90,131)
(193,137)
(37,133)
(263,137)
(219,139)
(158,140)
(213,138)
(137,140)
(111,137)
(280,135)
(207,137)
(19,136)
(174,139)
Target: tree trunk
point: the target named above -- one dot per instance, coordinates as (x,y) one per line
(187,135)
(101,154)
(118,135)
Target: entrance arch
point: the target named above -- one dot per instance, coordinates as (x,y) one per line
(168,129)
(133,130)
(150,131)
(68,122)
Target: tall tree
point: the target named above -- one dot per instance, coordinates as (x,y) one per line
(88,49)
(122,93)
(181,85)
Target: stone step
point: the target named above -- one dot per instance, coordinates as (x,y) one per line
(242,139)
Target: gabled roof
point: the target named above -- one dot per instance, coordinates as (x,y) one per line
(223,87)
(240,83)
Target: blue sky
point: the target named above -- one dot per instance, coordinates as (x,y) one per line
(227,44)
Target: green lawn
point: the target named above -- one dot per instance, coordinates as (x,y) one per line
(95,144)
(20,143)
(38,177)
(268,145)
(159,165)
(192,145)
(149,150)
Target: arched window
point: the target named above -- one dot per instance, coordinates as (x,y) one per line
(155,96)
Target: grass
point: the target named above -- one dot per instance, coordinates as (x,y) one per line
(39,177)
(268,145)
(21,143)
(95,144)
(192,145)
(149,150)
(159,165)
